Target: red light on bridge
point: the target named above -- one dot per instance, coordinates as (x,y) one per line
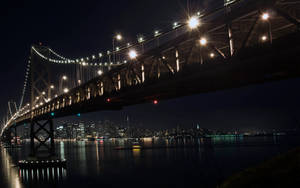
(155,101)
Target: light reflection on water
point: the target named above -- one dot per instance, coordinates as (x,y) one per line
(204,162)
(49,176)
(9,170)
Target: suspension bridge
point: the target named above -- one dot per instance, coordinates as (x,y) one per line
(233,45)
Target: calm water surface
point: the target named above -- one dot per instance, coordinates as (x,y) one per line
(160,162)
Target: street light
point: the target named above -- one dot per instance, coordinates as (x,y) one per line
(265,16)
(203,41)
(141,39)
(264,38)
(64,77)
(156,33)
(119,38)
(175,25)
(66,90)
(100,72)
(132,54)
(193,22)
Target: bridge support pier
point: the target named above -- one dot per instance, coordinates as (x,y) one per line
(42,132)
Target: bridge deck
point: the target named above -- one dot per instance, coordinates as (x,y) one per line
(253,65)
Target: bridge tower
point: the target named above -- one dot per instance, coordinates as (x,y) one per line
(41,130)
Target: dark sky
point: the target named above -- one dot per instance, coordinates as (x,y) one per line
(81,28)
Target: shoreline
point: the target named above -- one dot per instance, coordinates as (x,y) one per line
(280,171)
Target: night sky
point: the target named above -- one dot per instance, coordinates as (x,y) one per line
(81,28)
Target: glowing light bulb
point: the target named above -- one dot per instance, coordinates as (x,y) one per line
(132,54)
(193,22)
(119,37)
(203,41)
(66,90)
(100,72)
(265,16)
(141,39)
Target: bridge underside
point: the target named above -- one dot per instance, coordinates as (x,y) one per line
(259,64)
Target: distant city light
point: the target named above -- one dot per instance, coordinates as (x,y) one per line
(193,22)
(155,101)
(43,93)
(132,54)
(212,55)
(108,100)
(79,81)
(203,41)
(64,77)
(78,115)
(52,86)
(52,113)
(265,16)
